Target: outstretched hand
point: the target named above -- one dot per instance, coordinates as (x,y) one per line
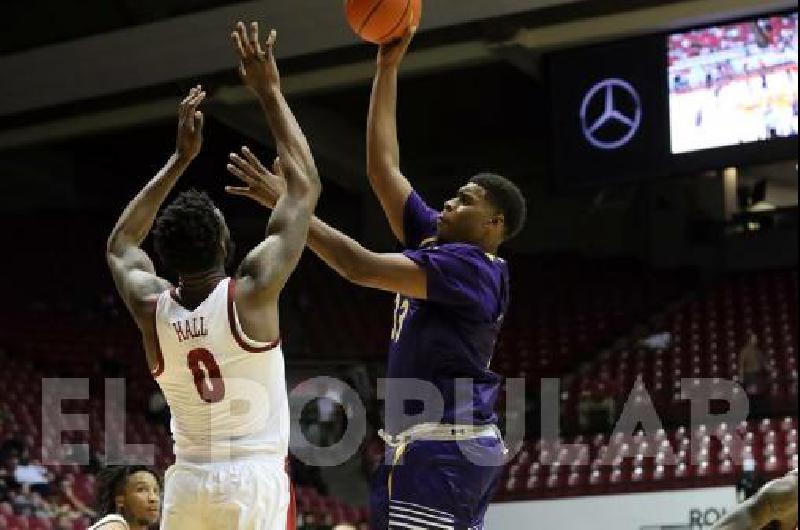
(190,125)
(257,66)
(392,53)
(261,185)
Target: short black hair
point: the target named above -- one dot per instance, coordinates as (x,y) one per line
(506,197)
(111,482)
(187,233)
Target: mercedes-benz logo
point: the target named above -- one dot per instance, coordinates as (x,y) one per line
(620,116)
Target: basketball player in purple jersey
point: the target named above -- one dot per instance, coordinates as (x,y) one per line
(452,295)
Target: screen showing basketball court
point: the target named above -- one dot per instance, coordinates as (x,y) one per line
(733,84)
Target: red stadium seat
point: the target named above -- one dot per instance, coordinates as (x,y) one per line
(40,523)
(788,423)
(773,465)
(515,470)
(513,485)
(554,481)
(18,522)
(791,435)
(769,437)
(726,468)
(533,483)
(682,471)
(704,469)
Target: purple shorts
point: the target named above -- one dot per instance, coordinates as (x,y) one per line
(436,485)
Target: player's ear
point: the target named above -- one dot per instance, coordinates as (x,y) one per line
(119,502)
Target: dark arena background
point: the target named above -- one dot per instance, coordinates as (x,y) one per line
(655,142)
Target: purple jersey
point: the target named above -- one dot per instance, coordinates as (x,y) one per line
(452,334)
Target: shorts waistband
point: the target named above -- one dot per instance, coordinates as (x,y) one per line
(265,458)
(435,432)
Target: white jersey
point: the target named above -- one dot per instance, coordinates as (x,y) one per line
(107,520)
(227,393)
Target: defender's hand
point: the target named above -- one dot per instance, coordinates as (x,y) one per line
(257,66)
(262,185)
(190,125)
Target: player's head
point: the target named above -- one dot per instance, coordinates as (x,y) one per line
(486,211)
(133,492)
(191,235)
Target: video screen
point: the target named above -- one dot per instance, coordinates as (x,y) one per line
(733,84)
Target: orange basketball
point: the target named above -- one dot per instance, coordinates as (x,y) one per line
(382,21)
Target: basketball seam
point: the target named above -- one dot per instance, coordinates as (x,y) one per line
(372,11)
(399,21)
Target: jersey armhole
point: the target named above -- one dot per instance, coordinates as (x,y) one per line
(159,367)
(244,342)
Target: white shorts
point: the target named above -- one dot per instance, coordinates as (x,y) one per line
(248,494)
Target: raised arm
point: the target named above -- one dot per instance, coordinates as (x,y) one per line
(389,272)
(259,72)
(131,268)
(270,264)
(383,148)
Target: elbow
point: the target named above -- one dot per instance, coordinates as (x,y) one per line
(305,192)
(118,244)
(353,275)
(305,181)
(373,166)
(311,192)
(360,270)
(312,180)
(381,173)
(374,176)
(347,269)
(377,158)
(111,245)
(315,186)
(380,168)
(356,276)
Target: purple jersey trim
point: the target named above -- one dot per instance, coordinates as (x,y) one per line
(419,221)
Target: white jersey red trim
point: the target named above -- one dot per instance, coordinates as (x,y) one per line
(236,328)
(226,392)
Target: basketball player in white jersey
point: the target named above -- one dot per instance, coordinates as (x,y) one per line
(774,503)
(212,342)
(128,498)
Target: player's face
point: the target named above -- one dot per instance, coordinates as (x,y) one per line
(466,217)
(143,498)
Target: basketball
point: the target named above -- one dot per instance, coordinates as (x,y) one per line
(382,21)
